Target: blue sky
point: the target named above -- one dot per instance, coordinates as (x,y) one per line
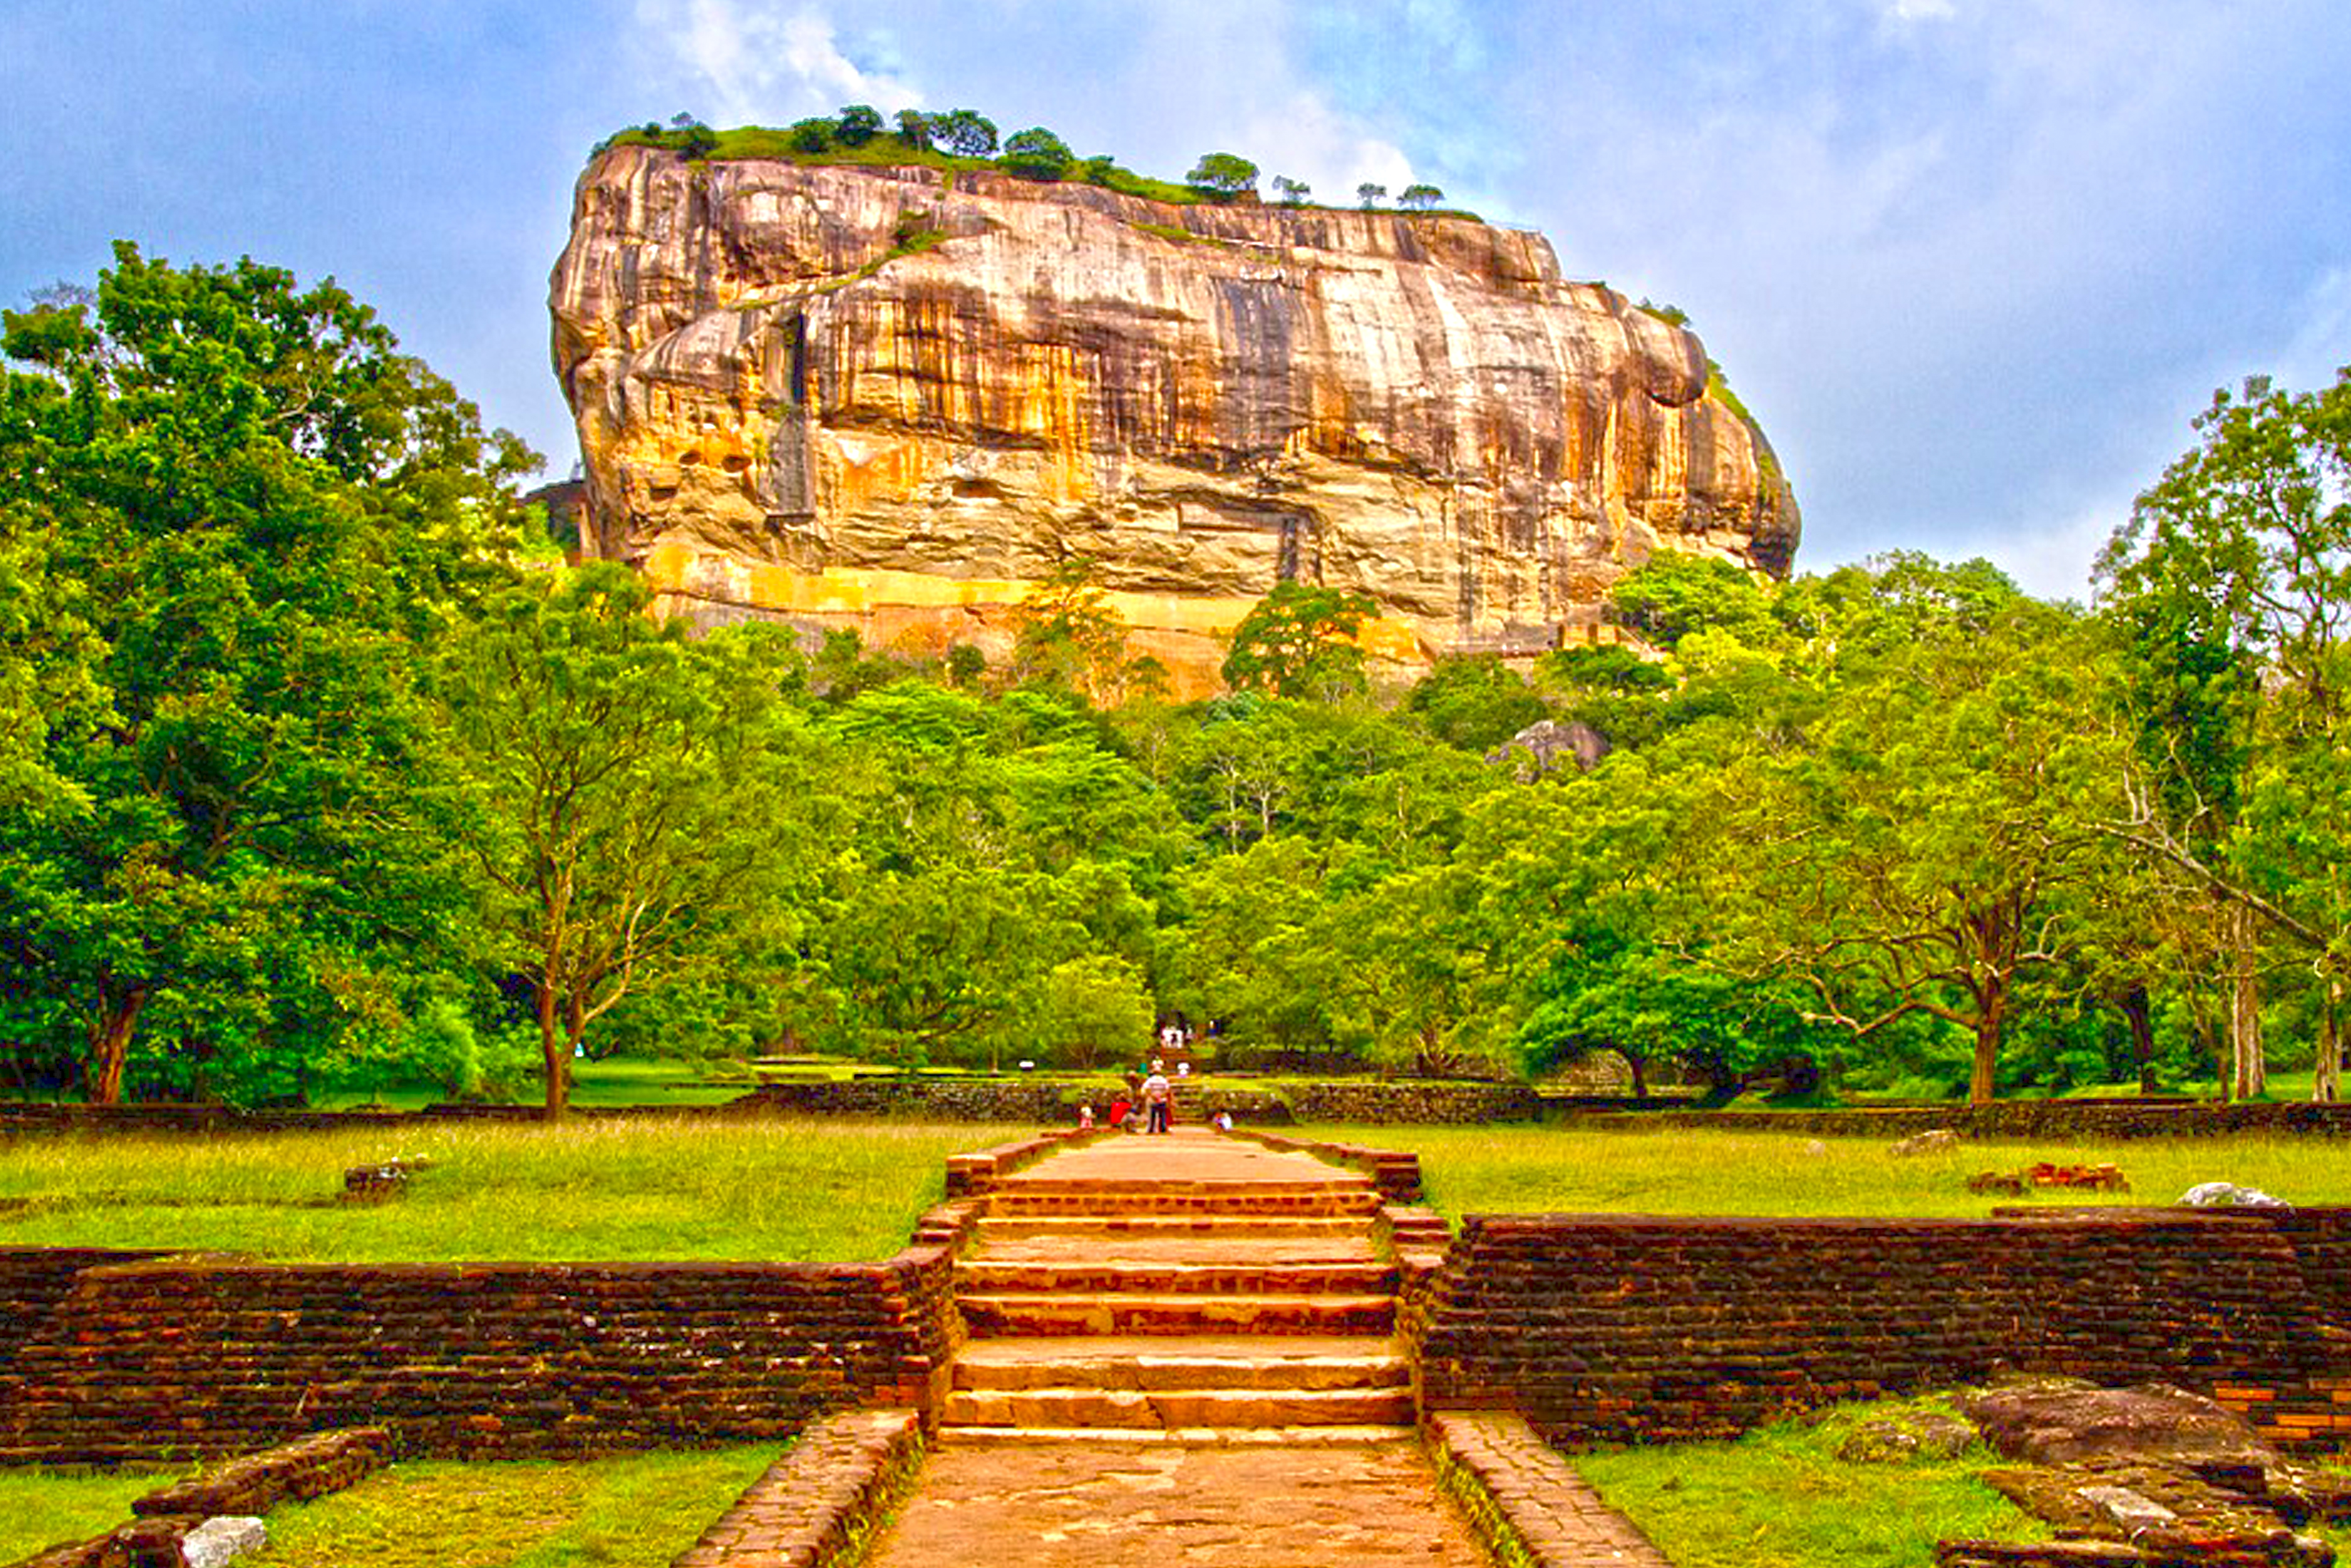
(1974,263)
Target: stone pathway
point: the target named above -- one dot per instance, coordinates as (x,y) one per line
(1119,1505)
(1182,1353)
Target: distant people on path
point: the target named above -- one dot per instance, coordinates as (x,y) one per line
(1156,1094)
(1224,1120)
(1121,1107)
(1085,1118)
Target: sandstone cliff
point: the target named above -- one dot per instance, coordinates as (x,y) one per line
(890,399)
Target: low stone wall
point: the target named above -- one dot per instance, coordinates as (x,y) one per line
(1396,1173)
(294,1472)
(972,1174)
(1046,1100)
(1526,1503)
(2091,1119)
(197,1358)
(34,1281)
(1405,1101)
(820,1504)
(1628,1328)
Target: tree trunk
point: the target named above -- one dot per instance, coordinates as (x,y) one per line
(1640,1075)
(2247,1074)
(555,1055)
(2327,1086)
(1990,1022)
(109,1043)
(2134,1006)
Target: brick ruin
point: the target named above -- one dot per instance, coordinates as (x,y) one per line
(1608,1327)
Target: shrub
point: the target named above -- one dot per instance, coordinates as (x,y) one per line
(859,124)
(1036,153)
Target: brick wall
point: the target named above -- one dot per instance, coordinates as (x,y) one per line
(1628,1328)
(164,1359)
(32,1280)
(2015,1118)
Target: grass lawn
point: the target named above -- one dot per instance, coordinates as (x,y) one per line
(1537,1169)
(634,1511)
(1781,1498)
(642,1189)
(41,1508)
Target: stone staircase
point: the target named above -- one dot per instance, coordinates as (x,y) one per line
(1186,1286)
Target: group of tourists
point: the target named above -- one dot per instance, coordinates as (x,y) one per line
(1147,1104)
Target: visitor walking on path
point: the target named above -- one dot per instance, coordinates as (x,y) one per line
(1155,1095)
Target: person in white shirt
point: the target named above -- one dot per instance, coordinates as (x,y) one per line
(1156,1094)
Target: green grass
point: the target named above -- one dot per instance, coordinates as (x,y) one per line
(1537,1169)
(642,1189)
(636,1512)
(1780,1498)
(40,1508)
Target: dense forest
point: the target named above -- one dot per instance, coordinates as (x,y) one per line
(320,769)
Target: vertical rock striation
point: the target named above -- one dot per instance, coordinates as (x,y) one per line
(887,399)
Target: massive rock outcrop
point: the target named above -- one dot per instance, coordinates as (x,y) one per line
(893,400)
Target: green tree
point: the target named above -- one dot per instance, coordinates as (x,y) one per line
(1474,701)
(2231,584)
(1911,851)
(254,516)
(1294,193)
(627,818)
(914,128)
(1037,153)
(965,133)
(1420,198)
(1370,195)
(1300,642)
(857,124)
(1066,633)
(1223,174)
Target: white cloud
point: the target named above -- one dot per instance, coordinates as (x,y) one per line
(1306,139)
(1921,10)
(760,63)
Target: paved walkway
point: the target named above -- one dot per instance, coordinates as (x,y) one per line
(1183,1354)
(1113,1505)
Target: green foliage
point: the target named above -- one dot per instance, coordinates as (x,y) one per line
(1294,193)
(255,516)
(1370,195)
(1420,198)
(858,123)
(965,133)
(1223,174)
(1672,595)
(1037,153)
(1300,642)
(624,815)
(1474,701)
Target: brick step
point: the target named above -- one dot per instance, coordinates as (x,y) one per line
(1167,1409)
(1172,1227)
(1120,1312)
(1177,1247)
(1160,1363)
(990,1277)
(1190,1436)
(1281,1199)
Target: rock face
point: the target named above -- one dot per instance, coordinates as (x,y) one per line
(885,398)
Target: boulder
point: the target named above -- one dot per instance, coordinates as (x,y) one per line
(2057,1421)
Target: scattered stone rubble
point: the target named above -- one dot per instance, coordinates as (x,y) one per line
(2151,1476)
